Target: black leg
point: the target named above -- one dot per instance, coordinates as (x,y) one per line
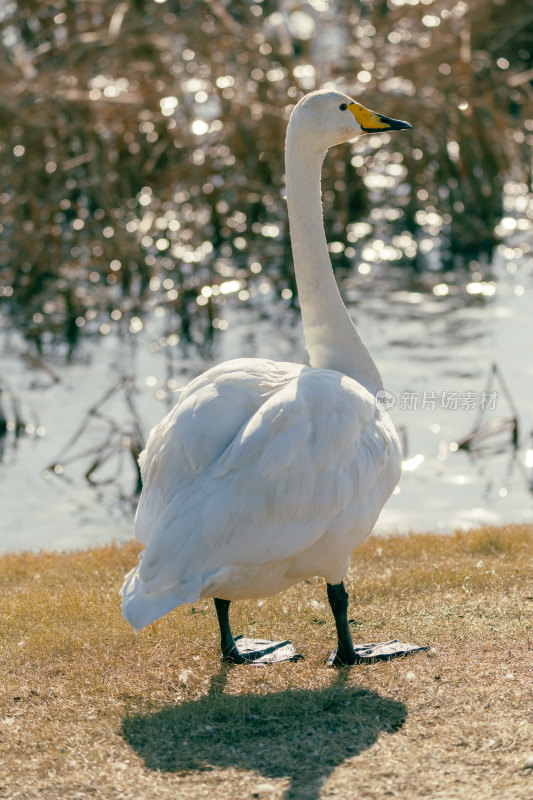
(249,651)
(338,600)
(227,642)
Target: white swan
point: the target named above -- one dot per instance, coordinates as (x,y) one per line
(266,473)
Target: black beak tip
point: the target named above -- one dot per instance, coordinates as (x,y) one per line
(396,124)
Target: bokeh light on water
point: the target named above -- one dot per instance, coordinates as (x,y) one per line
(142,190)
(143,158)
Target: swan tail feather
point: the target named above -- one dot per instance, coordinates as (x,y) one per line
(141,607)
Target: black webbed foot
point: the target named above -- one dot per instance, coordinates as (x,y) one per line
(241,650)
(260,651)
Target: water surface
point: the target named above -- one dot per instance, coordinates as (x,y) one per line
(434,341)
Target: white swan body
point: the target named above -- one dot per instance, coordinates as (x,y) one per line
(263,474)
(266,473)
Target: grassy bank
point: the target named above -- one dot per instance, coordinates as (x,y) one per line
(91,710)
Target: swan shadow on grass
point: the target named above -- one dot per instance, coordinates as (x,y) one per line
(300,734)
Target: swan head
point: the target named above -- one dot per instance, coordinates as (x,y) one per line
(325,118)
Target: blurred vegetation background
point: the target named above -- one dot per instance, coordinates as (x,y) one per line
(142,149)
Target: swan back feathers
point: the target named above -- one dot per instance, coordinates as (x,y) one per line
(300,454)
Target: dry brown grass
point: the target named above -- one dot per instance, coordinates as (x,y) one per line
(91,710)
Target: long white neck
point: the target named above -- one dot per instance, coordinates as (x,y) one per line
(330,335)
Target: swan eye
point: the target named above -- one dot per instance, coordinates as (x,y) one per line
(343,106)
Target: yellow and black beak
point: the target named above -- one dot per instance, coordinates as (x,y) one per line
(372,122)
